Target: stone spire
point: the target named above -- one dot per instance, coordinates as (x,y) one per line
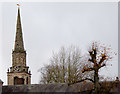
(19,46)
(19,73)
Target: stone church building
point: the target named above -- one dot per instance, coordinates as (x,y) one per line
(19,72)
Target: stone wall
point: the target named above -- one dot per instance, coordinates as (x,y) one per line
(19,75)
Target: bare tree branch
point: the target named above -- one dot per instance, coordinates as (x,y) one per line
(102,66)
(102,59)
(87,69)
(81,81)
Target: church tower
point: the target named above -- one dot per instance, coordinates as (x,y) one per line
(19,73)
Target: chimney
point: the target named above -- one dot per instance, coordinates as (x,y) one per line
(117,79)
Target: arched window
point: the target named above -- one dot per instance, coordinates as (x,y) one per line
(18,81)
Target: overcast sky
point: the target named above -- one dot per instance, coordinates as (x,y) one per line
(48,26)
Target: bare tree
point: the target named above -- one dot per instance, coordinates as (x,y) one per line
(64,67)
(98,57)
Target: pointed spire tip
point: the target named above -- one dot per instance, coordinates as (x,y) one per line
(18,5)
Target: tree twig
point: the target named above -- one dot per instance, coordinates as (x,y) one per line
(81,81)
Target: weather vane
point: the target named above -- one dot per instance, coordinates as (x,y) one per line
(18,5)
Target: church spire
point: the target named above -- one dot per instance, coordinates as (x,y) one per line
(19,46)
(19,73)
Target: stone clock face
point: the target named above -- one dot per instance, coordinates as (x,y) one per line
(16,69)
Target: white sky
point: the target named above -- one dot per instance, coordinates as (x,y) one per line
(48,26)
(59,0)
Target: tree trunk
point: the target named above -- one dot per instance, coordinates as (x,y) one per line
(96,82)
(63,80)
